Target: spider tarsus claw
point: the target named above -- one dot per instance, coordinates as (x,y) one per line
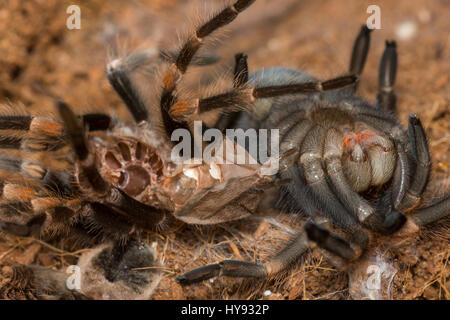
(393,222)
(365,29)
(413,119)
(240,5)
(199,274)
(388,66)
(329,241)
(181,280)
(240,70)
(391,43)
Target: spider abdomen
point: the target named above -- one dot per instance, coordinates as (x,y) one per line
(331,141)
(368,158)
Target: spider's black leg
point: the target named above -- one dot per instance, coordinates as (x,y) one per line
(422,156)
(120,80)
(243,98)
(307,87)
(168,98)
(116,219)
(14,143)
(386,219)
(86,160)
(221,19)
(204,59)
(386,98)
(234,268)
(240,79)
(329,241)
(291,253)
(438,210)
(119,73)
(31,143)
(98,121)
(360,51)
(240,70)
(401,181)
(330,207)
(25,210)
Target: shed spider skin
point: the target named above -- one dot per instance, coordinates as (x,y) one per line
(121,179)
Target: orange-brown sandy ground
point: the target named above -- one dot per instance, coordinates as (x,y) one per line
(40,59)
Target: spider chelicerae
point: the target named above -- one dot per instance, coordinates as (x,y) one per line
(334,147)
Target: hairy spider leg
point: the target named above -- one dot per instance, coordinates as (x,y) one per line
(39,134)
(235,268)
(229,119)
(241,97)
(421,154)
(92,184)
(238,99)
(386,98)
(183,60)
(360,50)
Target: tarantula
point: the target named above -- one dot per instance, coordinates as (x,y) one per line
(334,148)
